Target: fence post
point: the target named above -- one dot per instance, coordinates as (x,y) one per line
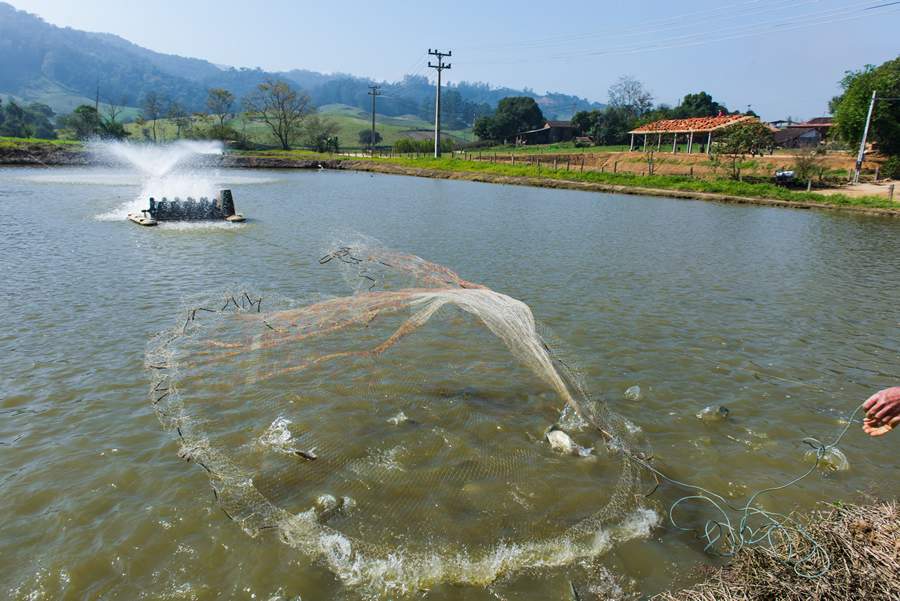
(692,171)
(615,166)
(876,172)
(891,192)
(582,164)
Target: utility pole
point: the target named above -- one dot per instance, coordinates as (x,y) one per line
(374,92)
(440,66)
(862,144)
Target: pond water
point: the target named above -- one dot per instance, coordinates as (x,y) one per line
(788,318)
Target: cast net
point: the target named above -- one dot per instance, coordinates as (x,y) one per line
(398,435)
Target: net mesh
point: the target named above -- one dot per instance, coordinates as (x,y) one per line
(398,435)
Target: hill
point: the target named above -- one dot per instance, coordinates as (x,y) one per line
(64,67)
(349,120)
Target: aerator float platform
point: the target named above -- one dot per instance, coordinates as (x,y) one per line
(218,209)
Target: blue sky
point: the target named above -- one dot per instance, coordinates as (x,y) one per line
(782,57)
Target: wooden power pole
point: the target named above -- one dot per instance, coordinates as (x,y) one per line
(374,93)
(440,66)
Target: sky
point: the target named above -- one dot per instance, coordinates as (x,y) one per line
(781,57)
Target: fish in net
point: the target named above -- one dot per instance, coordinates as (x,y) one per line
(400,435)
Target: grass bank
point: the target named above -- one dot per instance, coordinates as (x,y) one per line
(7,142)
(722,187)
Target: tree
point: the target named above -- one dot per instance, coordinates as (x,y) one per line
(152,111)
(629,93)
(320,133)
(608,126)
(33,121)
(513,114)
(40,119)
(179,117)
(15,123)
(700,104)
(366,137)
(742,139)
(851,108)
(281,107)
(220,103)
(584,121)
(113,110)
(83,121)
(808,164)
(110,125)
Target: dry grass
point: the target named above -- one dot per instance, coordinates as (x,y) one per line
(862,541)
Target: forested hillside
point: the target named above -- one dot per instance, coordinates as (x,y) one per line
(64,67)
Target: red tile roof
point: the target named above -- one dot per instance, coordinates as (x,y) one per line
(696,124)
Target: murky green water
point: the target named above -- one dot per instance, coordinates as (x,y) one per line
(788,318)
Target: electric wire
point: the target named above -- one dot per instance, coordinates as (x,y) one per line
(706,17)
(834,15)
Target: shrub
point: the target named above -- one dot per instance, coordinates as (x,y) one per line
(409,145)
(891,167)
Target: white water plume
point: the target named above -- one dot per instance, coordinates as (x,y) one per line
(177,169)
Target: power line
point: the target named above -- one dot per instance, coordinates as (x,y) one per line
(440,66)
(809,19)
(665,24)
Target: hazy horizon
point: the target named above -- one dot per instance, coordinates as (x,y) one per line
(783,58)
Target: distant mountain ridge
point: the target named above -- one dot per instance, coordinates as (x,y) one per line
(64,67)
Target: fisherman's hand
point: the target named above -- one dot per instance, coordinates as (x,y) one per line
(876,427)
(884,404)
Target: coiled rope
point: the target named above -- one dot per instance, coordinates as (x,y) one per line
(725,537)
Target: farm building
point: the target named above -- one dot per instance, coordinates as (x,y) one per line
(696,130)
(550,133)
(801,135)
(797,137)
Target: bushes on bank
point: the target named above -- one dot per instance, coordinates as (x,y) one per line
(891,167)
(409,145)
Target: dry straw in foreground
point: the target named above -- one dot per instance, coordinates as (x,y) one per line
(862,541)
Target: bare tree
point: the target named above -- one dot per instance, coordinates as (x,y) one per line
(281,107)
(630,94)
(110,126)
(220,103)
(179,117)
(114,109)
(152,110)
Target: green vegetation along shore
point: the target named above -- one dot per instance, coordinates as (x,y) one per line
(17,151)
(719,189)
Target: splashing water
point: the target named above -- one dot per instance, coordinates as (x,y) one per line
(422,399)
(165,170)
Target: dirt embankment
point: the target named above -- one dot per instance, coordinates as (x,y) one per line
(275,162)
(43,155)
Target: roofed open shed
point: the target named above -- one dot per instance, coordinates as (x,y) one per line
(688,127)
